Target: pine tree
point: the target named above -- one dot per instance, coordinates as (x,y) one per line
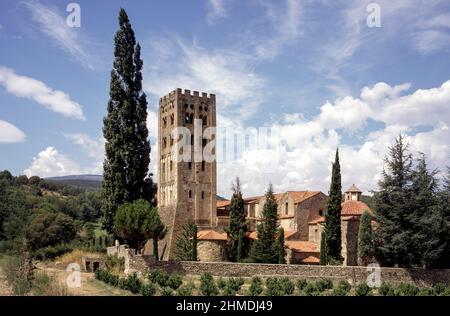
(237,221)
(426,219)
(365,241)
(281,247)
(263,249)
(393,202)
(323,250)
(127,147)
(333,214)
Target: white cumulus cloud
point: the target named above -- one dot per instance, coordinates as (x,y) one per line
(10,133)
(50,163)
(30,88)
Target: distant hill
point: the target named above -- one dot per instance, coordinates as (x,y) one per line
(85,181)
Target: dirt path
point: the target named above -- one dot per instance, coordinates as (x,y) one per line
(5,289)
(89,285)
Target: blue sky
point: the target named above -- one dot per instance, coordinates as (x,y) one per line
(313,69)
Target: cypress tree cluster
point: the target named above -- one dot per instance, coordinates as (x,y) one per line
(127,148)
(365,239)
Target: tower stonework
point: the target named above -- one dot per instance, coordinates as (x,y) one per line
(186,187)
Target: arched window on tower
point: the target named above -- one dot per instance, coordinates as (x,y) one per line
(172,119)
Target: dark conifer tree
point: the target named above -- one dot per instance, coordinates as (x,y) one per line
(237,221)
(263,249)
(393,201)
(365,239)
(281,247)
(323,250)
(427,223)
(333,214)
(127,147)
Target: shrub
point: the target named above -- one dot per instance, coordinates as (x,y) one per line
(311,289)
(166,291)
(49,253)
(148,289)
(207,285)
(131,283)
(114,263)
(344,285)
(256,287)
(339,291)
(273,287)
(221,283)
(287,286)
(159,277)
(342,289)
(386,289)
(439,288)
(185,290)
(174,281)
(235,283)
(47,285)
(324,284)
(301,284)
(446,292)
(229,290)
(406,289)
(363,290)
(426,291)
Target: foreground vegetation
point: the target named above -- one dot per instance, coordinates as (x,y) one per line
(161,283)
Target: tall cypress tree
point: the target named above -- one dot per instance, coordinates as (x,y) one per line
(237,222)
(365,240)
(281,247)
(127,147)
(333,214)
(263,249)
(393,204)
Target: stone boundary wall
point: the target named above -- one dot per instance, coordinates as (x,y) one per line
(355,275)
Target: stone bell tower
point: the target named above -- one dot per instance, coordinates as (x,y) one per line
(186,180)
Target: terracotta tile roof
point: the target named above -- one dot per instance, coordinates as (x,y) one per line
(311,259)
(223,203)
(287,234)
(211,235)
(317,221)
(354,208)
(297,196)
(300,196)
(301,246)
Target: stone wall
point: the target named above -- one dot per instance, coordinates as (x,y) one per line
(354,275)
(211,250)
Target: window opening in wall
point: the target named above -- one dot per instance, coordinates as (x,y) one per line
(190,194)
(286,210)
(189,165)
(203,194)
(203,165)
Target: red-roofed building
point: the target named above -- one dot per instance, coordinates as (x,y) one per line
(352,209)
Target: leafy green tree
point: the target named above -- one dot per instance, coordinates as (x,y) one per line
(365,241)
(323,250)
(185,248)
(263,249)
(237,222)
(49,229)
(127,147)
(333,214)
(281,247)
(135,223)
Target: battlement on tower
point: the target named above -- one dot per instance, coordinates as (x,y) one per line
(187,93)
